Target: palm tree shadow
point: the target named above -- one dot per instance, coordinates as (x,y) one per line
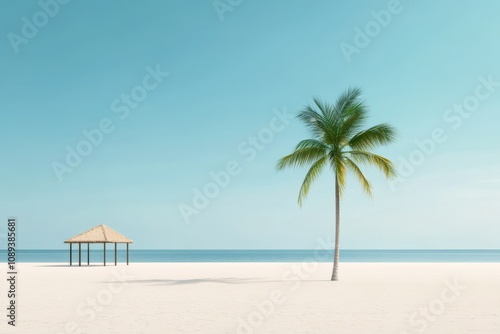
(228,280)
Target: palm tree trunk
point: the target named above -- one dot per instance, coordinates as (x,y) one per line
(335,274)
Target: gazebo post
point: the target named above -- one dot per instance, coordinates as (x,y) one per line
(104,254)
(127,253)
(115,253)
(70,254)
(88,254)
(79,254)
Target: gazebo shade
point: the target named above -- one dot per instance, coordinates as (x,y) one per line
(99,234)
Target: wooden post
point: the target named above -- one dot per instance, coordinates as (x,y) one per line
(70,254)
(88,254)
(79,254)
(104,254)
(127,253)
(115,253)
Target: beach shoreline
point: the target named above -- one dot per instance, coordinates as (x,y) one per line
(285,297)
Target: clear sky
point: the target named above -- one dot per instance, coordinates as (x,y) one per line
(178,90)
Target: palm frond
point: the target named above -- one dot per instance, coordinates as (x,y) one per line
(314,121)
(325,108)
(368,158)
(381,134)
(311,176)
(339,168)
(300,158)
(346,99)
(319,122)
(348,115)
(353,122)
(311,143)
(365,184)
(332,121)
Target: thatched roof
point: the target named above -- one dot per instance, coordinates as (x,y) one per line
(99,234)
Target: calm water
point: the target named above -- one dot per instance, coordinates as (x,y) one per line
(96,255)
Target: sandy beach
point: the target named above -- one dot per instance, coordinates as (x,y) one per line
(399,298)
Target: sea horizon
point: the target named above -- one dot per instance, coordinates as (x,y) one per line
(259,255)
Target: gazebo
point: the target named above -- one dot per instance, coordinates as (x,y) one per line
(101,234)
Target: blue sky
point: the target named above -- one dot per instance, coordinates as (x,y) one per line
(229,74)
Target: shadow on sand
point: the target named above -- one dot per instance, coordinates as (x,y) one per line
(74,266)
(229,280)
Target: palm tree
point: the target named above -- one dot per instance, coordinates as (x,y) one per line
(339,141)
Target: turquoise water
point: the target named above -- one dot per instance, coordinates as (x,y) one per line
(96,255)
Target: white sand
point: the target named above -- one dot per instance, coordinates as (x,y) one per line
(224,298)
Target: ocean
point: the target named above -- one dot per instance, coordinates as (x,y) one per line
(96,255)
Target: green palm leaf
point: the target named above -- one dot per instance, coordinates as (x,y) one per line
(311,176)
(367,187)
(300,158)
(367,158)
(381,134)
